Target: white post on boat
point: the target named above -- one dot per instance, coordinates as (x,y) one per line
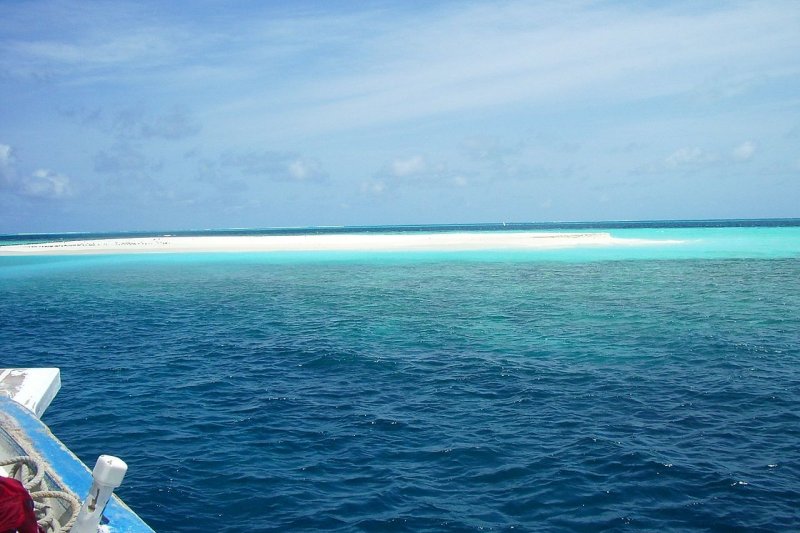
(108,473)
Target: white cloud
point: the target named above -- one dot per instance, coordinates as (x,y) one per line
(689,156)
(40,184)
(744,151)
(414,172)
(418,170)
(93,52)
(376,65)
(6,167)
(374,187)
(478,56)
(120,50)
(5,155)
(409,166)
(46,184)
(305,169)
(272,165)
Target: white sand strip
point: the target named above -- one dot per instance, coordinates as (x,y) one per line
(330,242)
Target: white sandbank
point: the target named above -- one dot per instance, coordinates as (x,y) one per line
(329,242)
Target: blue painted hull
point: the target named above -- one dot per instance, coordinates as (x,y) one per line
(20,429)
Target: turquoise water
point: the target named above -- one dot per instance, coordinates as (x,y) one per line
(645,387)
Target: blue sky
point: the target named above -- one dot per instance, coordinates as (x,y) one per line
(191,115)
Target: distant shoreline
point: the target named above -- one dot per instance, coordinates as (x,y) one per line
(331,242)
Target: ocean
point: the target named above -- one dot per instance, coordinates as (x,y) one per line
(652,387)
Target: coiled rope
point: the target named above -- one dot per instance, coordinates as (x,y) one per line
(31,473)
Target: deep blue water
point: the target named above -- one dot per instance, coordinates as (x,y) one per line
(570,391)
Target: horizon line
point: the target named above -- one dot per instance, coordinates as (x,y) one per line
(400,226)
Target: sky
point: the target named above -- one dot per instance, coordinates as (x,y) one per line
(147,116)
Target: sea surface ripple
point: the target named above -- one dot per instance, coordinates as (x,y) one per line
(433,396)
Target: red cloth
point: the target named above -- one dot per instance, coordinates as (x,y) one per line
(16,508)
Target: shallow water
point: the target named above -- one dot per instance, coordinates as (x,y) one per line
(568,390)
